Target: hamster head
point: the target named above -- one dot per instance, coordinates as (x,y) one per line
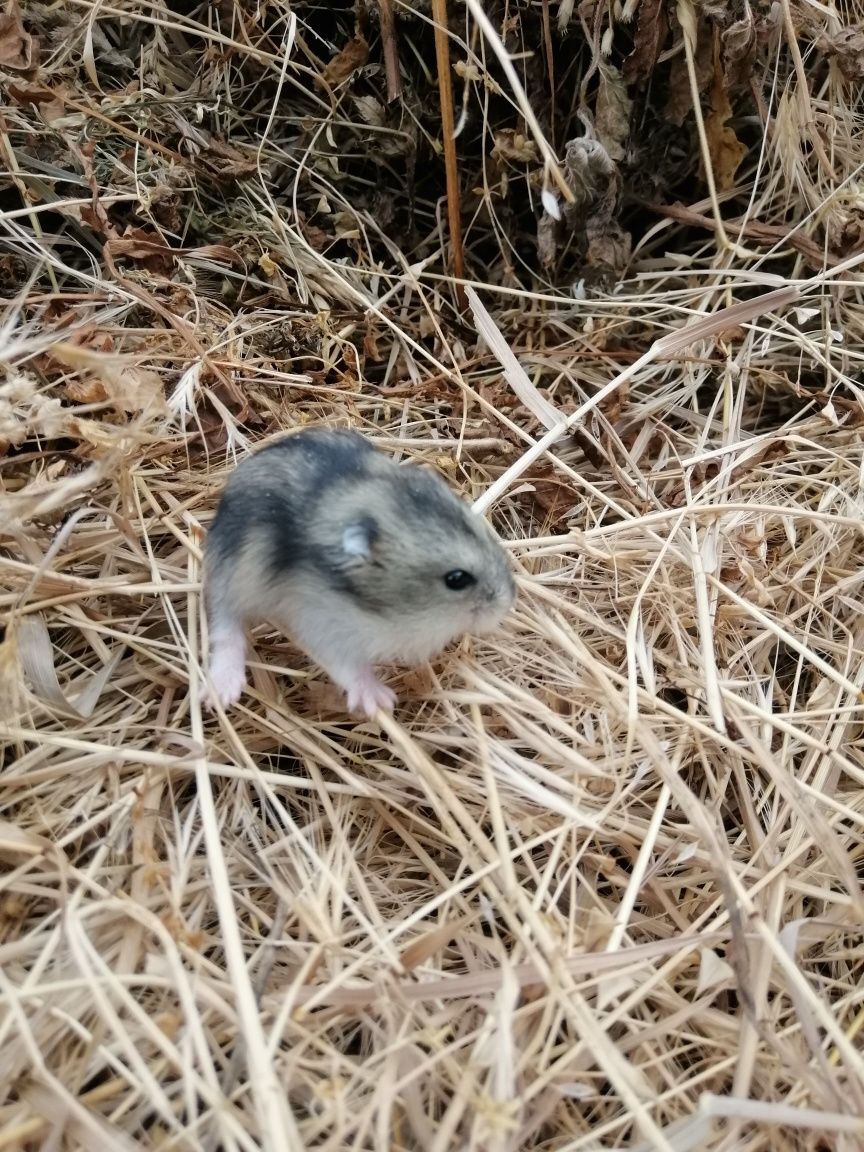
(408,552)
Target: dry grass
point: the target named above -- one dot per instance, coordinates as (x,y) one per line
(597,884)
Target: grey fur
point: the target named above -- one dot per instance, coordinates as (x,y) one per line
(323,526)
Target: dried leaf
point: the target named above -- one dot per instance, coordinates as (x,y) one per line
(86,390)
(513,145)
(144,245)
(724,147)
(679,101)
(846,49)
(514,373)
(613,112)
(148,247)
(49,102)
(128,387)
(37,663)
(739,49)
(554,498)
(353,56)
(17,47)
(547,243)
(95,216)
(425,946)
(316,237)
(371,111)
(714,972)
(370,345)
(652,28)
(590,170)
(608,248)
(349,358)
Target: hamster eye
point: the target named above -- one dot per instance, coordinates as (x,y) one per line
(459,579)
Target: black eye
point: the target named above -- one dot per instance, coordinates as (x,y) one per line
(459,579)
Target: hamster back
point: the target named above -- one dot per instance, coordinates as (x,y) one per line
(359,559)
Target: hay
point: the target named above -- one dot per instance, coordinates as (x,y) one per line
(597,883)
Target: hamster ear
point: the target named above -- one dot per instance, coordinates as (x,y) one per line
(358,540)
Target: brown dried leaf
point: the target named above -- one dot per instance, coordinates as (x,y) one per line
(18,49)
(739,50)
(679,100)
(144,245)
(425,946)
(513,145)
(724,147)
(590,172)
(553,497)
(134,389)
(652,28)
(349,358)
(128,387)
(846,49)
(353,56)
(86,390)
(49,102)
(370,345)
(613,111)
(371,111)
(95,216)
(226,164)
(147,246)
(608,248)
(316,237)
(547,243)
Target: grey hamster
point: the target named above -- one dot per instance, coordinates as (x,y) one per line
(359,559)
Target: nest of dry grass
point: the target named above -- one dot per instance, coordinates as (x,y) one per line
(597,883)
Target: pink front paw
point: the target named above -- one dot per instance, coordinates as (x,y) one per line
(367,694)
(227,665)
(227,681)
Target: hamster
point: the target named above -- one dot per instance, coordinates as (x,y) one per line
(359,559)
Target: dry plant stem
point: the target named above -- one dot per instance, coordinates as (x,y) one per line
(179,323)
(448,141)
(494,40)
(687,19)
(629,964)
(30,212)
(459,823)
(186,25)
(674,342)
(277,1127)
(780,1114)
(391,50)
(808,120)
(514,373)
(122,130)
(554,898)
(769,234)
(550,67)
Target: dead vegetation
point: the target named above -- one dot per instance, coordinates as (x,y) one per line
(597,884)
